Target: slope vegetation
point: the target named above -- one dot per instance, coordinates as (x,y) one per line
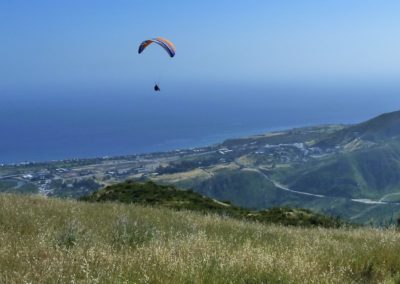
(366,173)
(46,240)
(382,127)
(152,194)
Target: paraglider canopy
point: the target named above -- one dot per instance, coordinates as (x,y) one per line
(168,46)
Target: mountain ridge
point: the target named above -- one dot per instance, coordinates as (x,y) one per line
(379,128)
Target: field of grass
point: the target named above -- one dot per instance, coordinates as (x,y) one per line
(45,240)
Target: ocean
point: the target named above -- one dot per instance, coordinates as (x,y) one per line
(44,124)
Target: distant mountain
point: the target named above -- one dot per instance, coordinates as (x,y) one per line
(152,194)
(380,128)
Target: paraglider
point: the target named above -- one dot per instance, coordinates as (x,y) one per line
(164,43)
(167,45)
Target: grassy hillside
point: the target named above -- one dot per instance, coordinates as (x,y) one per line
(245,188)
(380,128)
(248,189)
(368,173)
(56,241)
(152,194)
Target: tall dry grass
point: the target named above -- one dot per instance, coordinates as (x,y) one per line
(49,240)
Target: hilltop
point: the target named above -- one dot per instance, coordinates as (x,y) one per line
(47,240)
(380,128)
(152,194)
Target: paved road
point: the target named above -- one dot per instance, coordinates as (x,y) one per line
(9,176)
(360,200)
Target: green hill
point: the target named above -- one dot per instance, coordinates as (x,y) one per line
(248,189)
(380,128)
(366,173)
(152,194)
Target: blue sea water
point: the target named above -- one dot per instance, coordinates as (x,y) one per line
(45,124)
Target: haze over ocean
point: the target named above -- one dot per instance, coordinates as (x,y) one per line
(72,84)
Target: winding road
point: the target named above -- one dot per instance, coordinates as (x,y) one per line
(361,200)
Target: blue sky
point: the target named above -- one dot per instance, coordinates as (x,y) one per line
(86,43)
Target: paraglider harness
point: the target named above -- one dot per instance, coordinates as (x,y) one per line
(156,87)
